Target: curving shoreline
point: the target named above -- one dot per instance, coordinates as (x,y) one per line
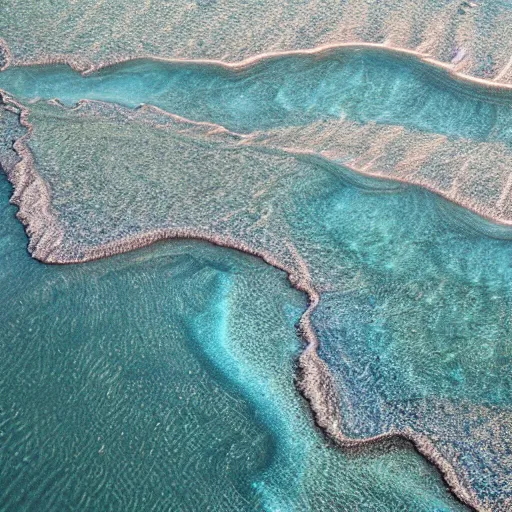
(493,210)
(87,68)
(33,198)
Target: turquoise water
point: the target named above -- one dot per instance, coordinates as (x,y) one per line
(414,317)
(414,320)
(163,380)
(360,85)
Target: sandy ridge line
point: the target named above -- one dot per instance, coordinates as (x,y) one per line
(7,54)
(497,227)
(85,67)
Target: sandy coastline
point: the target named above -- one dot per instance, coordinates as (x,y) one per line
(450,70)
(87,68)
(474,35)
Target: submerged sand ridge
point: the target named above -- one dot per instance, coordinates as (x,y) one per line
(111,201)
(130,341)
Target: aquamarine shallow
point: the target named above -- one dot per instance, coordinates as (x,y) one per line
(414,316)
(362,85)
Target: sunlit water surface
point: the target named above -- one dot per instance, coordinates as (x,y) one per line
(414,317)
(362,85)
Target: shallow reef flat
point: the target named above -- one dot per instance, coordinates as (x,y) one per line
(474,36)
(354,170)
(383,114)
(403,319)
(164,379)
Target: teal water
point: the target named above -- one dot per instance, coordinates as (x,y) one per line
(414,317)
(414,320)
(414,312)
(163,380)
(361,85)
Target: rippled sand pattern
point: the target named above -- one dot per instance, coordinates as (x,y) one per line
(163,380)
(381,113)
(169,378)
(475,36)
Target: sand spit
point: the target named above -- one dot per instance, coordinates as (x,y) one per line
(466,163)
(33,198)
(480,221)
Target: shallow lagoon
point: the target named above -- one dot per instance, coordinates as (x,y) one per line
(414,316)
(359,84)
